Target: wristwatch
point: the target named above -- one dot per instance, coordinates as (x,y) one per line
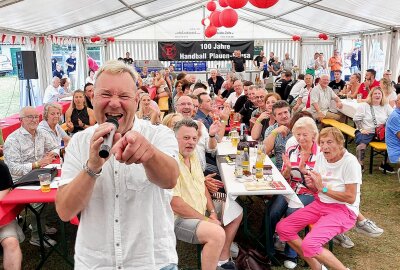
(91,173)
(324,190)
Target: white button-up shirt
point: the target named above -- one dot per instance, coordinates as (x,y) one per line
(21,149)
(128,222)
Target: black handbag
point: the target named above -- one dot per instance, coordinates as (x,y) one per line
(252,259)
(32,178)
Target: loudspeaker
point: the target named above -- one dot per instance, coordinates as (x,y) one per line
(27,66)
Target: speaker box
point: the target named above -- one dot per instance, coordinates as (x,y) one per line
(26,64)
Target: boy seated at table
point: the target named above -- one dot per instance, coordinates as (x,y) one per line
(10,233)
(197,219)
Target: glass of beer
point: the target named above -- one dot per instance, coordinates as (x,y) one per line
(45,179)
(235,141)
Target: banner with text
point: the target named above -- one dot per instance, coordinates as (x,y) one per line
(204,50)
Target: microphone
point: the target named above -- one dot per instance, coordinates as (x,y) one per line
(108,139)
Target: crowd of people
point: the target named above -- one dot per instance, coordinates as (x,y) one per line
(160,182)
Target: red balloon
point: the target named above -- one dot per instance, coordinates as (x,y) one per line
(228,17)
(296,38)
(223,3)
(111,39)
(202,21)
(263,3)
(93,39)
(97,38)
(210,31)
(214,18)
(236,3)
(211,6)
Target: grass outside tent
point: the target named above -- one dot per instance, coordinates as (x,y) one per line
(380,201)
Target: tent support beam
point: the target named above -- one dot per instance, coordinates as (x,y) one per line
(290,11)
(132,9)
(285,21)
(108,14)
(160,20)
(266,26)
(343,14)
(6,3)
(151,17)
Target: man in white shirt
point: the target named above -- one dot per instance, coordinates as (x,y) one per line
(321,96)
(124,200)
(51,93)
(233,97)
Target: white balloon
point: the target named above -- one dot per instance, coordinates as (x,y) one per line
(207,21)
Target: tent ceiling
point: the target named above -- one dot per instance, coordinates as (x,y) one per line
(118,17)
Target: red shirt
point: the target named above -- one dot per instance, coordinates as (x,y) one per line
(364,92)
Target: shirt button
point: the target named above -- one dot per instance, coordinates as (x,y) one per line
(116,196)
(116,172)
(117,246)
(119,267)
(116,220)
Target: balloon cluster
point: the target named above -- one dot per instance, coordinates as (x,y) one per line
(296,38)
(228,17)
(323,36)
(95,39)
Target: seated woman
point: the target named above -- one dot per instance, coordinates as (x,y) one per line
(51,117)
(370,114)
(161,85)
(64,89)
(79,116)
(146,111)
(179,89)
(265,118)
(336,179)
(88,89)
(171,119)
(388,91)
(90,77)
(300,156)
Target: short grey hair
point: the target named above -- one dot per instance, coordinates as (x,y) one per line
(306,123)
(22,111)
(47,107)
(185,123)
(116,67)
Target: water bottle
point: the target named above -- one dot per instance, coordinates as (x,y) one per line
(238,164)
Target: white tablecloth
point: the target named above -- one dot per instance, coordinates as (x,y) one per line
(349,107)
(235,188)
(69,98)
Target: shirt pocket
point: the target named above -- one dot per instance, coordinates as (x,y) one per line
(135,177)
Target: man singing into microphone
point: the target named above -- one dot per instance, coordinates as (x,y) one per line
(126,219)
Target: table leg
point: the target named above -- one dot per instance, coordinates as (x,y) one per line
(267,223)
(40,233)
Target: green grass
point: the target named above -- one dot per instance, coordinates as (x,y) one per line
(10,93)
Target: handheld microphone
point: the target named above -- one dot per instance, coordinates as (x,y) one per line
(108,139)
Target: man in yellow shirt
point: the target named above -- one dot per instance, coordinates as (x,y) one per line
(197,218)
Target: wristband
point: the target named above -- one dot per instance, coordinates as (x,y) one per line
(258,120)
(274,133)
(212,136)
(324,190)
(206,218)
(36,165)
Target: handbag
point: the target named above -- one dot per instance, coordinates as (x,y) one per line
(252,259)
(32,178)
(379,130)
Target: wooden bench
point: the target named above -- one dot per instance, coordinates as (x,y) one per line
(347,130)
(377,148)
(163,104)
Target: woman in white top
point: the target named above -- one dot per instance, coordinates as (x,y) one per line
(146,111)
(90,78)
(160,84)
(389,91)
(336,180)
(376,103)
(51,117)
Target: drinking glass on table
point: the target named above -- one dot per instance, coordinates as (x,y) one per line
(45,179)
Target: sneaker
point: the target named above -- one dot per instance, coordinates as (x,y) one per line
(369,228)
(343,240)
(48,230)
(387,167)
(234,250)
(36,242)
(289,264)
(228,265)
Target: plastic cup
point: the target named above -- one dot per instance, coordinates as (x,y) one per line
(45,179)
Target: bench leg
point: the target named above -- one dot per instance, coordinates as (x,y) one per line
(371,160)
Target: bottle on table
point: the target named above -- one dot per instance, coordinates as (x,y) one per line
(246,162)
(259,165)
(243,140)
(62,152)
(234,136)
(238,164)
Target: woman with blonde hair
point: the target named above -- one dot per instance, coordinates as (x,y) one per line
(161,85)
(388,91)
(171,119)
(146,111)
(369,115)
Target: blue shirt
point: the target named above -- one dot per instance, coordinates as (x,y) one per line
(205,119)
(391,139)
(279,145)
(71,61)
